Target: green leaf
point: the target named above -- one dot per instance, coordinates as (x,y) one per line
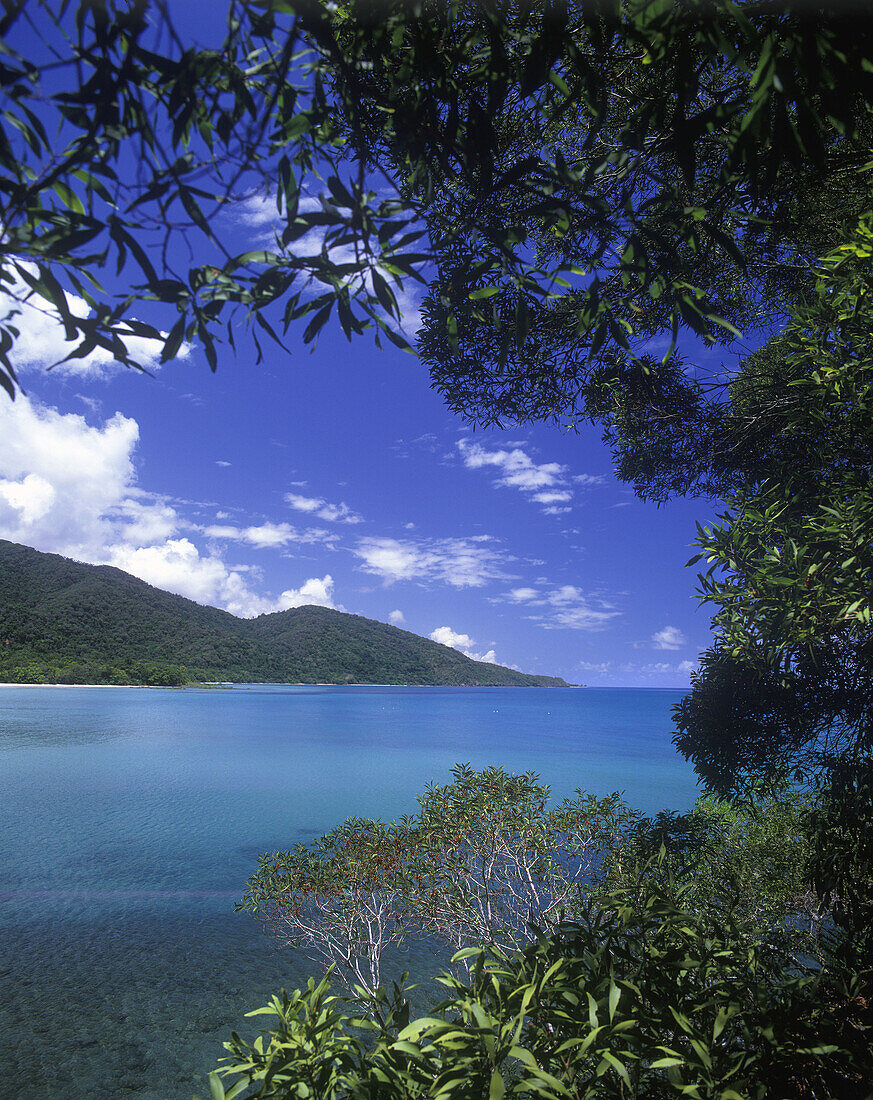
(592,1010)
(609,1059)
(558,82)
(317,323)
(614,995)
(385,295)
(173,341)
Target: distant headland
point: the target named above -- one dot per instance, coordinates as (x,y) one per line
(65,622)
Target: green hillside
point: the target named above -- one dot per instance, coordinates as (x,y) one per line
(64,622)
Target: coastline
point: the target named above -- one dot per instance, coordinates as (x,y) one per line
(277,683)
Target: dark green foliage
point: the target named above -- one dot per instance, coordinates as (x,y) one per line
(749,859)
(642,996)
(841,830)
(668,185)
(590,174)
(70,623)
(785,690)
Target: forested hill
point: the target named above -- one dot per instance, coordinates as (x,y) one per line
(61,621)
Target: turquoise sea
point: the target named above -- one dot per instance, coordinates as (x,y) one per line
(131,819)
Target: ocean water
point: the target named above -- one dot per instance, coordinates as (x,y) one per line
(131,819)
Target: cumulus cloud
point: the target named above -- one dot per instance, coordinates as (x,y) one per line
(317,506)
(69,487)
(670,637)
(517,469)
(397,617)
(62,479)
(317,590)
(546,483)
(460,562)
(177,566)
(42,339)
(146,520)
(27,500)
(463,643)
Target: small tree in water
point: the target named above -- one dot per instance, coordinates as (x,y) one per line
(483,862)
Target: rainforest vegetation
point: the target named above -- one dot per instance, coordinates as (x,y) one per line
(69,623)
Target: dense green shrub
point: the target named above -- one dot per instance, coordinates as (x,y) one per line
(642,995)
(748,857)
(695,962)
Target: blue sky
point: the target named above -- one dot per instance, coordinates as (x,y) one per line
(336,476)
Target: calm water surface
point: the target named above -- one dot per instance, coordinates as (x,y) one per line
(131,819)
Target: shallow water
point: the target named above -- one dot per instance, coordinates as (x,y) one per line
(132,818)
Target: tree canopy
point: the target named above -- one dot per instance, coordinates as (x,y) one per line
(567,179)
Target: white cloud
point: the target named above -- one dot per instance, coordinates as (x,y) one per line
(269,535)
(670,637)
(460,562)
(27,500)
(518,470)
(258,212)
(148,521)
(176,565)
(42,340)
(523,595)
(223,531)
(463,643)
(331,513)
(580,617)
(546,483)
(318,591)
(657,671)
(62,478)
(566,594)
(601,668)
(397,617)
(564,607)
(221,462)
(567,608)
(69,487)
